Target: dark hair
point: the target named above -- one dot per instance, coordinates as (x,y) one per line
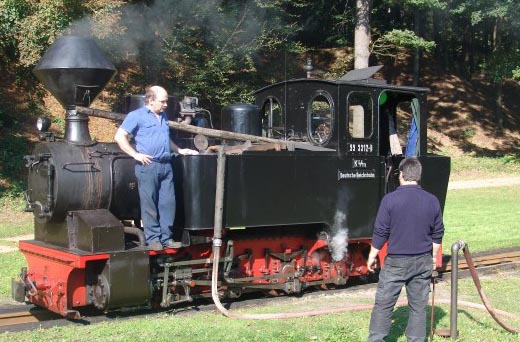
(411,169)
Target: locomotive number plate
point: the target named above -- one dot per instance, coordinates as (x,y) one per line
(360,148)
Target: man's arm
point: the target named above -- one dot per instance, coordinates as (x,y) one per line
(122,139)
(185,151)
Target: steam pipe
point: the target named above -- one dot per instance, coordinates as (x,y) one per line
(137,232)
(217,231)
(76,128)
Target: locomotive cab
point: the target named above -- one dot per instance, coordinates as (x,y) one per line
(360,118)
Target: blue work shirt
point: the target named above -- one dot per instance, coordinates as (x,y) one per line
(410,219)
(151,136)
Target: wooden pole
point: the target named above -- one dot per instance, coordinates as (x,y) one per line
(214,133)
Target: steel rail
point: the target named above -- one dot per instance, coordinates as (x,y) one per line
(26,316)
(486,260)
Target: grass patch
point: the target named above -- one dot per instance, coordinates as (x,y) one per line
(15,223)
(466,168)
(478,325)
(485,218)
(10,265)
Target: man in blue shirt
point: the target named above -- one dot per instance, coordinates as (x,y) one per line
(149,127)
(410,219)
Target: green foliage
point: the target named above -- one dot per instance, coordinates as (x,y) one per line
(11,12)
(60,122)
(12,168)
(425,4)
(407,38)
(500,19)
(45,21)
(511,159)
(516,73)
(340,67)
(468,133)
(390,43)
(215,50)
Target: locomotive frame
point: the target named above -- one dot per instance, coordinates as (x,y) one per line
(295,214)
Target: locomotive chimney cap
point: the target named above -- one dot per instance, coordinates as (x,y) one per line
(74,70)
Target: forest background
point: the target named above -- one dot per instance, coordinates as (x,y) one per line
(466,51)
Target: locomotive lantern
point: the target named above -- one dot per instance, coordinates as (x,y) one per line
(299,198)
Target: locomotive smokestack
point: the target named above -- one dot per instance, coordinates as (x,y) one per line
(75,71)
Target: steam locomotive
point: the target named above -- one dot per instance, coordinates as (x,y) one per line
(292,208)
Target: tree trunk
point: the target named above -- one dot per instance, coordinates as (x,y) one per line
(417,55)
(499,115)
(362,34)
(439,29)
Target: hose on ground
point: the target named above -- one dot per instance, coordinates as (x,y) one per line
(492,311)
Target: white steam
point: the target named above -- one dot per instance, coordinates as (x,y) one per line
(339,241)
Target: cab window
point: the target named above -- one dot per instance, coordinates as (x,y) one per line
(320,116)
(273,125)
(360,115)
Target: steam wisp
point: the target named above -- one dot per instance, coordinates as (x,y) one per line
(339,241)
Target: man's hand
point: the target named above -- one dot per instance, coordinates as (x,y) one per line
(372,263)
(435,252)
(144,159)
(187,151)
(372,259)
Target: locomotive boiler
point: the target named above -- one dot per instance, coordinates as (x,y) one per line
(293,208)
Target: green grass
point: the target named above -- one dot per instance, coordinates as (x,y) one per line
(465,168)
(485,218)
(14,229)
(473,324)
(10,265)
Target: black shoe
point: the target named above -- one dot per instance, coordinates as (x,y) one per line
(172,244)
(156,246)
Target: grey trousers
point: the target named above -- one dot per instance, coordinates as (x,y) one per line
(414,272)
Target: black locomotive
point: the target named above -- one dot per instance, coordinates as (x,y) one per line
(290,209)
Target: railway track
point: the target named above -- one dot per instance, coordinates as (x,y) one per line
(16,318)
(487,259)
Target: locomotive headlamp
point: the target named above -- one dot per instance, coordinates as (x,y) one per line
(43,124)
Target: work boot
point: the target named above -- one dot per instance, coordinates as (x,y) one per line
(172,244)
(156,246)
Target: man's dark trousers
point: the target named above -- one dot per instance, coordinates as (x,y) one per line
(415,273)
